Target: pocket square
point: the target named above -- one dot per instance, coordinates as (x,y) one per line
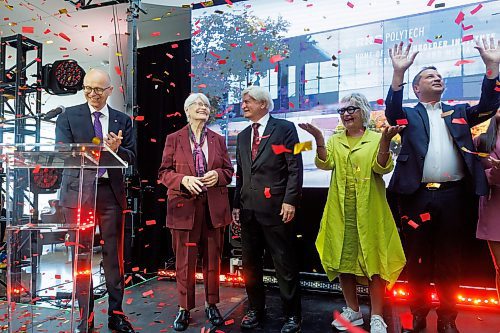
(460,121)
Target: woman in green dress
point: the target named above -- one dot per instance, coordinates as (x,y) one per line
(358,239)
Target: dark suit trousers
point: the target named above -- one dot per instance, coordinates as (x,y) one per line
(278,240)
(110,220)
(204,241)
(433,249)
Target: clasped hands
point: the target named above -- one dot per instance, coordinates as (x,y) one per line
(195,185)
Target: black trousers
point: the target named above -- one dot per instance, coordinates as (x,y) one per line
(433,221)
(279,241)
(110,219)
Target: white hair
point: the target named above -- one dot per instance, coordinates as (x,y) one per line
(193,97)
(359,100)
(261,95)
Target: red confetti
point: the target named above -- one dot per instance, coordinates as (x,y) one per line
(155,34)
(151,222)
(413,224)
(202,85)
(347,324)
(118,71)
(139,118)
(147,293)
(229,322)
(350,4)
(291,105)
(152,140)
(378,40)
(28,30)
(267,192)
(116,312)
(222,61)
(128,279)
(425,217)
(129,301)
(280,149)
(467,38)
(190,244)
(64,36)
(430,2)
(276,58)
(254,57)
(36,169)
(229,2)
(135,269)
(47,31)
(460,17)
(463,62)
(475,10)
(402,122)
(213,54)
(175,46)
(465,28)
(380,101)
(460,121)
(58,276)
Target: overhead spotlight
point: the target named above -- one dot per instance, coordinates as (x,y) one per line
(63,77)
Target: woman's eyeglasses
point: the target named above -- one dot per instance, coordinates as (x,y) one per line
(349,110)
(97,91)
(200,105)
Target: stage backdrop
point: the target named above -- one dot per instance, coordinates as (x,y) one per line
(163,83)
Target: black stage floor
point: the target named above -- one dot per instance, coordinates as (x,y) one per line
(155,312)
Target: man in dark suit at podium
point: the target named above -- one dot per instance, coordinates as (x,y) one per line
(437,178)
(268,187)
(82,124)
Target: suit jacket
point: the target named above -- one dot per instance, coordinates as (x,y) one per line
(75,126)
(177,162)
(264,184)
(408,173)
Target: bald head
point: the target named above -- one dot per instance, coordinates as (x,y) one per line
(97,88)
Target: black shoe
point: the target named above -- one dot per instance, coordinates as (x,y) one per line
(84,327)
(120,324)
(292,325)
(447,326)
(419,323)
(181,322)
(252,318)
(214,315)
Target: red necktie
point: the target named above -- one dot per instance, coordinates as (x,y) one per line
(256,140)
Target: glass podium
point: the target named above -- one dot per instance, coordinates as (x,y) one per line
(49,292)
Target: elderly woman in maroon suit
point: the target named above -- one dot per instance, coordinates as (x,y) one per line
(488,227)
(196,170)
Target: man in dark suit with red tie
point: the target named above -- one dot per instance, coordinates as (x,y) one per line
(82,124)
(268,188)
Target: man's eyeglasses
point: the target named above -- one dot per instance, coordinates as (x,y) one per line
(97,91)
(349,110)
(200,105)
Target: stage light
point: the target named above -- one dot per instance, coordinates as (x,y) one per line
(63,77)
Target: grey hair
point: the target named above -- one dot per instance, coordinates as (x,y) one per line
(193,97)
(359,100)
(260,94)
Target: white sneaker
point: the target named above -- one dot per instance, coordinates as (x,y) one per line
(355,318)
(377,324)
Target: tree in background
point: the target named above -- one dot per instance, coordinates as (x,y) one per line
(230,50)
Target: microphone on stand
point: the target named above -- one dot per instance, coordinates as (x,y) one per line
(54,113)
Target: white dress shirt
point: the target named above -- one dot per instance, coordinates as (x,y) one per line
(104,118)
(442,162)
(263,123)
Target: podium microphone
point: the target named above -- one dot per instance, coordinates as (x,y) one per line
(54,113)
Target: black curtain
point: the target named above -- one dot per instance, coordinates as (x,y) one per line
(163,83)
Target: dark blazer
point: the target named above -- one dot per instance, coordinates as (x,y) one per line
(75,126)
(177,162)
(408,172)
(281,173)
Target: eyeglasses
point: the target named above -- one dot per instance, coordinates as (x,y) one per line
(349,110)
(97,91)
(200,105)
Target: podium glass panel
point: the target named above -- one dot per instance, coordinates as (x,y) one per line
(41,294)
